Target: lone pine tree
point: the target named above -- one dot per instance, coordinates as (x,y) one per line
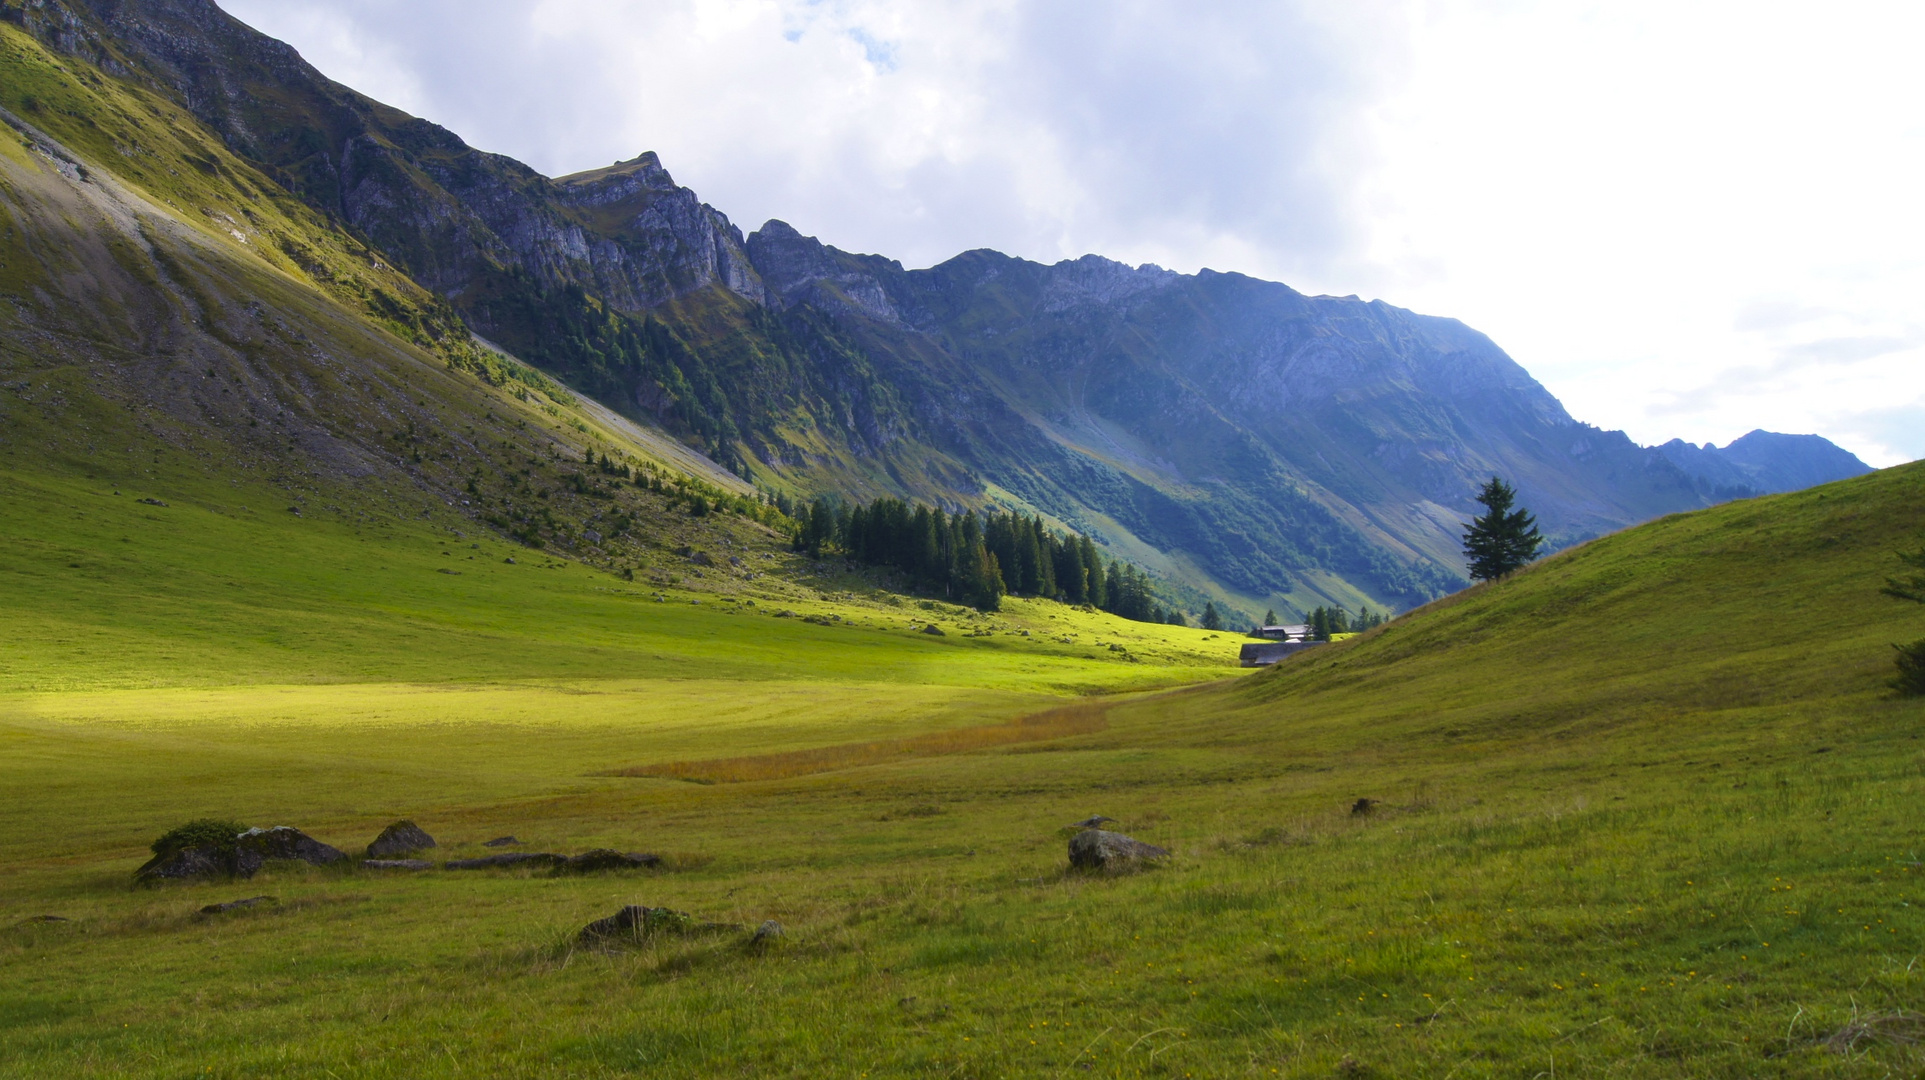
(1911,658)
(1212,620)
(1501,540)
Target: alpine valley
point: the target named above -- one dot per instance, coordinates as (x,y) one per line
(431,646)
(1246,443)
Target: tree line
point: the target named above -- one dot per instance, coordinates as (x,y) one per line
(976,559)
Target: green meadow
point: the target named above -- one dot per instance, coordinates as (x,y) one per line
(1646,809)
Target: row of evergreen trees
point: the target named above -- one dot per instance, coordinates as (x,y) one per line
(1325,621)
(975,559)
(1335,620)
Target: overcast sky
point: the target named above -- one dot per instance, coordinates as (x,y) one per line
(1686,217)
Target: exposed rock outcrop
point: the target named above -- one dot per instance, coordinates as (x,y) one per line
(507,859)
(602,859)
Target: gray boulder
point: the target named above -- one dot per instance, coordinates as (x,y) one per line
(400,838)
(509,858)
(255,848)
(589,862)
(635,922)
(188,864)
(396,864)
(1095,849)
(501,841)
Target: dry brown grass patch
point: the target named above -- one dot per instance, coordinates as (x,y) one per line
(1060,723)
(1897,1028)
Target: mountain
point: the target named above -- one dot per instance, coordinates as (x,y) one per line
(1252,444)
(178,329)
(1764,462)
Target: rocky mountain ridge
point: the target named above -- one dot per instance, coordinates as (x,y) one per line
(1267,447)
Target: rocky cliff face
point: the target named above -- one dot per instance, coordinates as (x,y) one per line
(1269,448)
(448,213)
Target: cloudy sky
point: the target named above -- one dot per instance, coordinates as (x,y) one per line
(1687,217)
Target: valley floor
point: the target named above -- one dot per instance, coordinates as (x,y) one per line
(1625,823)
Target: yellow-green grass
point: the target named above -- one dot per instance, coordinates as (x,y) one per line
(1646,810)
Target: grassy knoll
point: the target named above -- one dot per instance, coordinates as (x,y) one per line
(1645,810)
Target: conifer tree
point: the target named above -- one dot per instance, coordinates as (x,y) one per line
(1211,619)
(1093,565)
(1500,541)
(1270,617)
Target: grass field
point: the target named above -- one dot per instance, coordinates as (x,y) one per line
(1645,810)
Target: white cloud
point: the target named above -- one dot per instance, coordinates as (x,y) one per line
(1688,217)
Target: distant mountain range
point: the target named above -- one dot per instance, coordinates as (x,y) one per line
(1252,444)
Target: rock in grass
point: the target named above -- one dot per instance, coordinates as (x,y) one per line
(231,905)
(509,858)
(255,848)
(589,862)
(400,838)
(1095,849)
(767,932)
(188,864)
(635,922)
(500,841)
(396,864)
(1094,821)
(203,848)
(933,629)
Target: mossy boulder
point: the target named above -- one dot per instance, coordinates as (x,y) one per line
(636,922)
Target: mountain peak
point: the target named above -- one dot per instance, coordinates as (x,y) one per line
(645,168)
(1766,461)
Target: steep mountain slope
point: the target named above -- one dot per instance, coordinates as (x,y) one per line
(173,319)
(1266,447)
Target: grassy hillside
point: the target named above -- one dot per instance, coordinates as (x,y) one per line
(1645,809)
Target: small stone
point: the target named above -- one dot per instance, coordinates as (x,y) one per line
(500,841)
(1364,806)
(1094,849)
(768,931)
(46,918)
(400,838)
(933,630)
(396,864)
(512,858)
(231,905)
(1093,821)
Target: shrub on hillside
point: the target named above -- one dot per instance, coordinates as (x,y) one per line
(1911,658)
(1910,679)
(204,832)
